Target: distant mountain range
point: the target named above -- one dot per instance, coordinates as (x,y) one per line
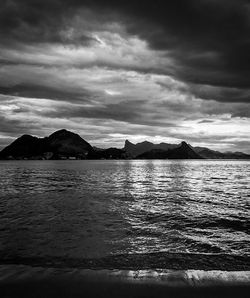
(146,149)
(140,148)
(183,151)
(64,144)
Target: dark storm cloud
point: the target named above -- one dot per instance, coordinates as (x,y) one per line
(208,39)
(242,112)
(43,91)
(14,127)
(133,112)
(120,112)
(35,20)
(222,94)
(242,146)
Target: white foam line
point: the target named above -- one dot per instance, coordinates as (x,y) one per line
(169,277)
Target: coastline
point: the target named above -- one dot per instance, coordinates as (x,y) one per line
(29,281)
(132,275)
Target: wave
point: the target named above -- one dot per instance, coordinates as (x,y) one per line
(233,224)
(183,222)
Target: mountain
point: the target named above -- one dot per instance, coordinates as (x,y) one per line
(134,150)
(67,143)
(212,154)
(64,144)
(158,151)
(183,151)
(25,146)
(60,144)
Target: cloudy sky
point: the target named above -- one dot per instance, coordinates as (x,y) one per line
(138,70)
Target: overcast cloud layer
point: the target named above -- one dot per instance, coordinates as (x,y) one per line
(116,70)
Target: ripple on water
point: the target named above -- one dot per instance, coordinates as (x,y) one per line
(98,208)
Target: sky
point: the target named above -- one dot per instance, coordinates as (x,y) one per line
(162,71)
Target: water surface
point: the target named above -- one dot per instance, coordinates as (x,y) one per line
(92,209)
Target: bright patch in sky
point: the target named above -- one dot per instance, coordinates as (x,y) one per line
(112,92)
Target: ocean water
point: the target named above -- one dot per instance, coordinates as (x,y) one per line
(96,209)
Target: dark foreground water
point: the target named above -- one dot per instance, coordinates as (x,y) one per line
(146,213)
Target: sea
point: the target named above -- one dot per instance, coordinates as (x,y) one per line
(177,214)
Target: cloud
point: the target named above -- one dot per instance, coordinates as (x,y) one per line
(153,69)
(204,42)
(206,121)
(221,94)
(39,91)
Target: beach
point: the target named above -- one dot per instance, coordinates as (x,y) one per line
(27,281)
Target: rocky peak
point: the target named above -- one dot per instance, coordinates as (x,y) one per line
(127,142)
(185,144)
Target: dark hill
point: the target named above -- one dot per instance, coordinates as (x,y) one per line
(184,151)
(60,144)
(66,143)
(212,154)
(135,150)
(25,146)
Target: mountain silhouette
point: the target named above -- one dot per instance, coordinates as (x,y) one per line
(159,151)
(64,144)
(67,143)
(183,151)
(212,154)
(60,144)
(135,150)
(25,146)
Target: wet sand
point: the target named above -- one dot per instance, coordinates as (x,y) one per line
(28,281)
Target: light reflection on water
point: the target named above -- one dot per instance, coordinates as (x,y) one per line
(96,208)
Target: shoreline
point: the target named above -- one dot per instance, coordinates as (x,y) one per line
(13,272)
(28,281)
